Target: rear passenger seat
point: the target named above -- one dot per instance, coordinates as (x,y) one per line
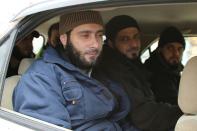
(11,82)
(187,97)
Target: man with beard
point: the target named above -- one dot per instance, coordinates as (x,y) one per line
(58,88)
(53,39)
(121,64)
(165,64)
(22,49)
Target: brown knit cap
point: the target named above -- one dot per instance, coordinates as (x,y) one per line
(72,20)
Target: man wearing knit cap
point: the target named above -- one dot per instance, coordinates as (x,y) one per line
(22,49)
(121,64)
(165,64)
(58,88)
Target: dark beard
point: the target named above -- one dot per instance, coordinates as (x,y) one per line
(74,57)
(174,66)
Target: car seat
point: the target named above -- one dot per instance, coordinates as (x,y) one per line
(11,82)
(187,97)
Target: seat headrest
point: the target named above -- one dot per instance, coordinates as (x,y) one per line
(24,65)
(187,97)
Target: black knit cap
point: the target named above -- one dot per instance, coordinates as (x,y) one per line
(169,35)
(35,34)
(118,23)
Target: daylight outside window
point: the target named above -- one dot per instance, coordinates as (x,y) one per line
(190,50)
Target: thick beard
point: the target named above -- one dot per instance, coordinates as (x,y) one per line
(173,65)
(75,57)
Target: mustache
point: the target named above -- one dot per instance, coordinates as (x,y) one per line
(133,49)
(174,58)
(92,50)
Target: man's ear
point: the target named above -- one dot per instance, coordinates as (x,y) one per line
(63,39)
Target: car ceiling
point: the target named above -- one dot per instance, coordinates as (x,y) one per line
(152,18)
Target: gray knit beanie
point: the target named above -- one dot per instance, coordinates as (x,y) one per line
(72,20)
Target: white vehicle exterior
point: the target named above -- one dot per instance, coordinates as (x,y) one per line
(41,14)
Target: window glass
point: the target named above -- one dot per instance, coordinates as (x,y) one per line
(145,55)
(154,46)
(190,49)
(38,43)
(3,54)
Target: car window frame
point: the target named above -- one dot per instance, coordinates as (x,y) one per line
(20,31)
(13,116)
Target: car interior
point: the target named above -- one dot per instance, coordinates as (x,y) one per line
(152,19)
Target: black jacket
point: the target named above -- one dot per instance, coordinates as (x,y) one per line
(165,79)
(16,58)
(145,113)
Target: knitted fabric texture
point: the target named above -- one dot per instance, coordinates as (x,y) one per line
(72,20)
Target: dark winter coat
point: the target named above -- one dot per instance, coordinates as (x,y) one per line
(16,58)
(165,79)
(55,91)
(145,113)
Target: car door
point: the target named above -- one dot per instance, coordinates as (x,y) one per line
(10,120)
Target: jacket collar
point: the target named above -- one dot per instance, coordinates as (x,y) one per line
(52,56)
(112,55)
(160,64)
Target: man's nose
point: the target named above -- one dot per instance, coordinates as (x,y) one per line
(95,42)
(176,53)
(134,43)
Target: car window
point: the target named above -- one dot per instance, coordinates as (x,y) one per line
(3,53)
(190,49)
(5,49)
(38,43)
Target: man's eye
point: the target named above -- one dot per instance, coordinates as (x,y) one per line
(170,48)
(85,35)
(124,39)
(100,35)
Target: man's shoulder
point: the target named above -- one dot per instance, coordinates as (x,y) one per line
(43,71)
(155,63)
(41,67)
